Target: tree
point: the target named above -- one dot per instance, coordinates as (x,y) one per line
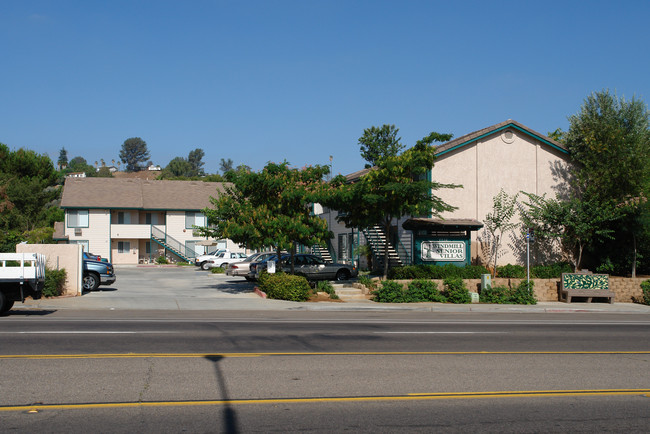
(609,142)
(63,158)
(194,158)
(498,222)
(134,152)
(271,208)
(79,164)
(28,197)
(575,222)
(379,142)
(178,167)
(190,167)
(225,166)
(398,185)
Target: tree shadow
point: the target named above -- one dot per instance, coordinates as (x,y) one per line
(229,416)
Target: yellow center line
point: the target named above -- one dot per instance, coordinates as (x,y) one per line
(35,408)
(338,353)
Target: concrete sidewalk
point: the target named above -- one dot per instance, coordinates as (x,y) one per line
(191,289)
(253,302)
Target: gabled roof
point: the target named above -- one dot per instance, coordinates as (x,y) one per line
(477,135)
(133,193)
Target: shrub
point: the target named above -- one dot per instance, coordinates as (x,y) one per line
(282,286)
(553,271)
(437,272)
(161,260)
(423,290)
(455,290)
(368,282)
(390,292)
(645,287)
(523,293)
(217,270)
(54,281)
(512,271)
(495,294)
(325,286)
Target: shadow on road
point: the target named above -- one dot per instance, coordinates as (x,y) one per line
(229,415)
(35,312)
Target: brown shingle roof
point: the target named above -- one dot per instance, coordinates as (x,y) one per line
(138,194)
(467,138)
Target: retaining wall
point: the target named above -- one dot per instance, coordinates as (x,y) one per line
(627,290)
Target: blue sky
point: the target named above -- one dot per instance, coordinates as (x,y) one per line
(259,81)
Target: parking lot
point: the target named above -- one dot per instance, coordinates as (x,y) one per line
(182,288)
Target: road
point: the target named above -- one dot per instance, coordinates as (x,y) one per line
(198,371)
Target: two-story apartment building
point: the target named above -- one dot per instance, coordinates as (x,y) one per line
(131,221)
(508,156)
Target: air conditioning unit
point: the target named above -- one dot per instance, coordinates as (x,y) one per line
(77,231)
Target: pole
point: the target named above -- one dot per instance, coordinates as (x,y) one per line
(528,257)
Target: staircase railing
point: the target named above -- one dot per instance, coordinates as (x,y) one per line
(172,244)
(376,238)
(404,254)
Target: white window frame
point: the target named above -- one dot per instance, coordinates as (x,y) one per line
(78,218)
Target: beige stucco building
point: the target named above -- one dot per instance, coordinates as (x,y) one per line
(131,221)
(508,156)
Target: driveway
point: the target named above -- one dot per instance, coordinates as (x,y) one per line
(182,288)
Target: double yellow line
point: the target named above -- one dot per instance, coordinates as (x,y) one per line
(37,408)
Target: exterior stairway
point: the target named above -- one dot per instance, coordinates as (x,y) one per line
(351,293)
(172,245)
(376,238)
(322,252)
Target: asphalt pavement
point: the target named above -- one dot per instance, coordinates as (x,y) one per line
(188,288)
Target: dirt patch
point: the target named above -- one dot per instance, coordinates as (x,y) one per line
(322,296)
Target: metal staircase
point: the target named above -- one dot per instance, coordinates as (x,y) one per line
(322,252)
(172,244)
(376,239)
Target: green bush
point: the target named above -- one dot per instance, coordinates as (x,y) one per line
(455,290)
(54,281)
(437,272)
(326,286)
(523,293)
(282,286)
(161,260)
(368,282)
(512,271)
(645,287)
(390,292)
(495,294)
(423,290)
(217,270)
(553,271)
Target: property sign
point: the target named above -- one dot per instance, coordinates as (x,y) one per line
(443,251)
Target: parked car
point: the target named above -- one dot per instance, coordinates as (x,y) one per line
(202,260)
(311,267)
(97,273)
(225,259)
(92,257)
(243,268)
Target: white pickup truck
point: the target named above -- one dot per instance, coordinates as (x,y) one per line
(21,275)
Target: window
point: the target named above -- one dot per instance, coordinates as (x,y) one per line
(147,247)
(147,218)
(78,218)
(123,218)
(194,219)
(123,246)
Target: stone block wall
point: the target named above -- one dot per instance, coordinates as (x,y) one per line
(627,290)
